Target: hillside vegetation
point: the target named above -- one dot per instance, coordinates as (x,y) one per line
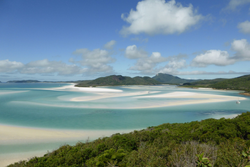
(170,79)
(239,83)
(219,143)
(115,80)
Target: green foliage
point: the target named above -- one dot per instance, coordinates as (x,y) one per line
(222,141)
(115,80)
(202,161)
(239,83)
(170,79)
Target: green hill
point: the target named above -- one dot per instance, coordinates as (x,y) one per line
(224,142)
(204,83)
(170,79)
(115,80)
(239,83)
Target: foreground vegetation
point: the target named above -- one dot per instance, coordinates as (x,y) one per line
(210,142)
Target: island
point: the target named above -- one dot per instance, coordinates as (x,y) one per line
(116,80)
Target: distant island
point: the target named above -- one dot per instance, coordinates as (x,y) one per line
(115,80)
(170,79)
(239,83)
(222,142)
(24,81)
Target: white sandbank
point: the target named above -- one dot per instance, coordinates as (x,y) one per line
(110,95)
(11,92)
(72,87)
(193,95)
(11,135)
(187,98)
(18,135)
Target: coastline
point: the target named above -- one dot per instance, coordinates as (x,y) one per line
(18,135)
(25,135)
(245,94)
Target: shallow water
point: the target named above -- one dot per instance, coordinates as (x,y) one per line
(44,106)
(33,106)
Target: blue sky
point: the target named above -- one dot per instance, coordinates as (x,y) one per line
(80,40)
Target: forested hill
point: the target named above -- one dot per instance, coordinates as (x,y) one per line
(170,79)
(224,142)
(115,80)
(239,83)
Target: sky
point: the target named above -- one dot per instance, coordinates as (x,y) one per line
(64,40)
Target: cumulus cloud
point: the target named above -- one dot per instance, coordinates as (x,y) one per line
(173,66)
(10,66)
(210,73)
(110,44)
(147,65)
(49,67)
(234,4)
(160,17)
(40,67)
(132,52)
(242,49)
(215,57)
(96,60)
(244,27)
(222,58)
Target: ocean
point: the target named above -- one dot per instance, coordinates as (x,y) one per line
(43,105)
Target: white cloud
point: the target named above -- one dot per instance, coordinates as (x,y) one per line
(209,73)
(48,67)
(40,67)
(10,66)
(132,52)
(222,58)
(173,66)
(242,49)
(110,44)
(233,4)
(244,27)
(96,61)
(160,17)
(216,57)
(147,65)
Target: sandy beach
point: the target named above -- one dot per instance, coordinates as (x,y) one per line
(26,135)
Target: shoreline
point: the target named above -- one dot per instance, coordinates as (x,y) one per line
(18,136)
(12,134)
(245,94)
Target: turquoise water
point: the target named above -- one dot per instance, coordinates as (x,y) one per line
(33,106)
(41,106)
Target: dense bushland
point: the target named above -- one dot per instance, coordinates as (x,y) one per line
(220,143)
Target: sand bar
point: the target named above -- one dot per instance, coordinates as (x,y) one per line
(11,92)
(72,87)
(110,95)
(12,135)
(18,135)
